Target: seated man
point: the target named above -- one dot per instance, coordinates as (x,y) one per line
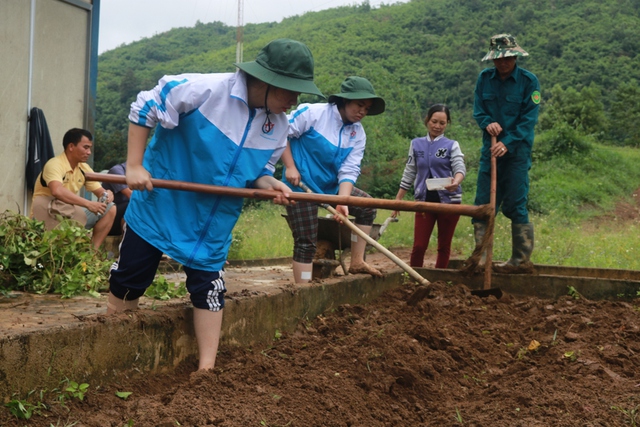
(121,194)
(55,195)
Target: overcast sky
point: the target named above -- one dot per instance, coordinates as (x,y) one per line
(126,21)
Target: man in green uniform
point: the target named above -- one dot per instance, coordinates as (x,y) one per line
(506,106)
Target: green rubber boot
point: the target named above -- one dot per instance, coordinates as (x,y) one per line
(522,247)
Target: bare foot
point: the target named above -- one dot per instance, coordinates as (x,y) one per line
(364,268)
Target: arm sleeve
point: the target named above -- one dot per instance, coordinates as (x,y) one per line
(118,170)
(350,168)
(174,95)
(457,160)
(53,171)
(480,113)
(410,171)
(299,121)
(270,167)
(115,170)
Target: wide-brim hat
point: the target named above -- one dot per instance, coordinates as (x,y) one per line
(503,46)
(284,63)
(360,88)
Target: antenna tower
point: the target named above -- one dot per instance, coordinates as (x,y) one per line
(239,32)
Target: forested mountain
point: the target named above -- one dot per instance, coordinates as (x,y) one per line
(585,54)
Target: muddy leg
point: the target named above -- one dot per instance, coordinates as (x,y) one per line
(117,305)
(302,272)
(207,325)
(358,246)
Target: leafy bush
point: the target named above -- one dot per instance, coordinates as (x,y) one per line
(162,289)
(582,110)
(60,261)
(561,140)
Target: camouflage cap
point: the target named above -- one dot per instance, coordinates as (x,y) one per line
(503,46)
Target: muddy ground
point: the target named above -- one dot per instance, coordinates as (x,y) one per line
(444,358)
(409,359)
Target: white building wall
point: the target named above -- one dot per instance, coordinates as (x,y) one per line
(59,58)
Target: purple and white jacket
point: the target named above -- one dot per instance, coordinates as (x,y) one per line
(438,158)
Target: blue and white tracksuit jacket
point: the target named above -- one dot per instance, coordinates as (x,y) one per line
(206,133)
(326,151)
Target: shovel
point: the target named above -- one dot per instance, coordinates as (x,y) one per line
(487,290)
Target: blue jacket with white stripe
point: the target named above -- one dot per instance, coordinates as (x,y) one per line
(205,133)
(326,151)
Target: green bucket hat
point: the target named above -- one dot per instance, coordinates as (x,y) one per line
(284,63)
(503,46)
(360,88)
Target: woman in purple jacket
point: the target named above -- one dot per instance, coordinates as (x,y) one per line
(433,156)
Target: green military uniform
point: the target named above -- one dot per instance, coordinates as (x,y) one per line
(512,102)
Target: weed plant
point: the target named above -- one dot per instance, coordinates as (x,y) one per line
(34,403)
(60,261)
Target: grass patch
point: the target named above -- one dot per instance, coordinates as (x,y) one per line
(266,235)
(568,193)
(261,232)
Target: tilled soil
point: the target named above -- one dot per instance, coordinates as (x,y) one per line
(411,358)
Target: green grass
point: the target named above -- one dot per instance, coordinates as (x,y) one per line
(605,246)
(570,195)
(266,235)
(261,232)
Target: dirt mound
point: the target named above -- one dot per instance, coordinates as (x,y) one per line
(624,213)
(446,358)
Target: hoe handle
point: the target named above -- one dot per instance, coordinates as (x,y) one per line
(479,212)
(372,242)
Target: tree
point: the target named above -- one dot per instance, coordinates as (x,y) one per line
(129,86)
(582,111)
(110,149)
(625,115)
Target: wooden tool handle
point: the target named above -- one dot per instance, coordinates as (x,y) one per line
(372,242)
(479,212)
(491,223)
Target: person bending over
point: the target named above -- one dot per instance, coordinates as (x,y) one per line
(218,129)
(326,146)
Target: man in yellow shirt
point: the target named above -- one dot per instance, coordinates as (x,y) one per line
(56,192)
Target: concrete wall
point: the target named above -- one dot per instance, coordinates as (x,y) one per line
(59,59)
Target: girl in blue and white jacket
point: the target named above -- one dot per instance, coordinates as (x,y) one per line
(326,146)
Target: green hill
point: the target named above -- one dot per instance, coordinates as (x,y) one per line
(585,54)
